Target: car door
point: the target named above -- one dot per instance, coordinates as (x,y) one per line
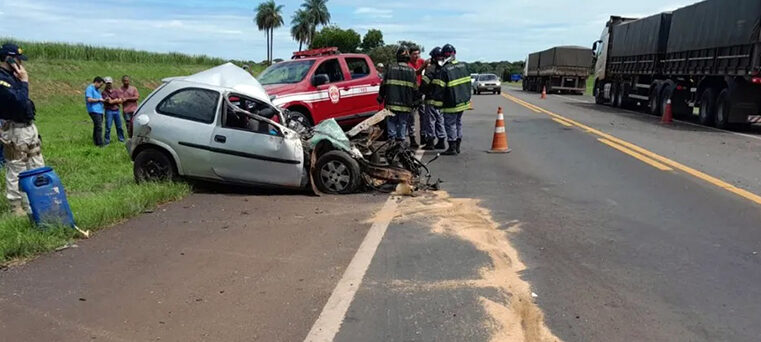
(184,121)
(361,97)
(248,150)
(330,103)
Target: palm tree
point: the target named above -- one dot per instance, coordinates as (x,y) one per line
(301,27)
(318,13)
(268,18)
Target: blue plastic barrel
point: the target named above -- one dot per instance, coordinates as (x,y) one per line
(46,197)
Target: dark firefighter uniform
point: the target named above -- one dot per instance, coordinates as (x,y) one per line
(435,120)
(19,135)
(452,94)
(399,93)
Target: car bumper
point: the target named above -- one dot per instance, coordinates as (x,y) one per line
(489,88)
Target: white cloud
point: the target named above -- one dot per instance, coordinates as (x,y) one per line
(373,12)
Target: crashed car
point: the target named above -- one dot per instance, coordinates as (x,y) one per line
(220,125)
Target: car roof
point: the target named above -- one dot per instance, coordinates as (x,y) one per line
(321,57)
(227,76)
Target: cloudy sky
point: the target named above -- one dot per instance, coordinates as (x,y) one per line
(481,30)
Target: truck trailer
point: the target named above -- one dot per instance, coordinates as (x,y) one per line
(704,59)
(559,69)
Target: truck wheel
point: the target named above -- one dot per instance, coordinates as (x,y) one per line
(707,108)
(653,103)
(599,99)
(615,97)
(723,108)
(336,172)
(152,165)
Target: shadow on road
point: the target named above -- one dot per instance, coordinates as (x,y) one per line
(206,187)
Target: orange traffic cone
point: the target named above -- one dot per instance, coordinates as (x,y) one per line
(668,114)
(544,93)
(499,143)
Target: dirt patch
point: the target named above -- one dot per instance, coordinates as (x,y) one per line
(516,317)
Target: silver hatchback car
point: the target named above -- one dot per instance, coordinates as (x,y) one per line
(220,125)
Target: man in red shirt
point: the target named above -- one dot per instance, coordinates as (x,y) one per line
(417,64)
(111,98)
(129,95)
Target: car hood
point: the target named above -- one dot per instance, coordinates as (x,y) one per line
(231,77)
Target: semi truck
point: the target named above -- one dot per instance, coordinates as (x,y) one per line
(703,59)
(559,69)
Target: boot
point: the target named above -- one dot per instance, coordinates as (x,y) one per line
(430,144)
(457,145)
(440,145)
(413,143)
(452,150)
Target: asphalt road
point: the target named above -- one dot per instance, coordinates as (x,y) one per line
(613,247)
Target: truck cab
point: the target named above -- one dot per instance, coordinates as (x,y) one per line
(321,84)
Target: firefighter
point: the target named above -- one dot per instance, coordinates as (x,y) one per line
(452,90)
(398,92)
(434,119)
(22,147)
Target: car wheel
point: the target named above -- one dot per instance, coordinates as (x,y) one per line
(723,108)
(707,108)
(152,165)
(336,172)
(297,121)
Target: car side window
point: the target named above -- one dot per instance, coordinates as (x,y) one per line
(358,67)
(332,68)
(240,121)
(193,104)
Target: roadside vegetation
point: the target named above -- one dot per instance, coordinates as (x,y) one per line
(98,182)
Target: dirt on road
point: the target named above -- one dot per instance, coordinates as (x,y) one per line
(516,317)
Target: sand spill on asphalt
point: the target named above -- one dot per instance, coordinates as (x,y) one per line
(513,317)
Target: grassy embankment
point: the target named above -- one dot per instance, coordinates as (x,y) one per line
(99,182)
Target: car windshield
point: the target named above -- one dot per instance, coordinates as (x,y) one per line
(286,72)
(488,78)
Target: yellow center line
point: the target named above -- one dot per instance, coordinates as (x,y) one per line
(666,161)
(642,158)
(562,122)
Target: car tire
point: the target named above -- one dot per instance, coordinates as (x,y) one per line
(152,165)
(297,120)
(336,172)
(707,108)
(723,108)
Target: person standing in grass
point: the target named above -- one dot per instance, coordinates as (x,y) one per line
(130,96)
(112,100)
(94,103)
(23,147)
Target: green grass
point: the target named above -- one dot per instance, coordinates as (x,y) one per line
(590,86)
(98,182)
(82,52)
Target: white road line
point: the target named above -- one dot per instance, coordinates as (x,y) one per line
(333,313)
(332,316)
(572,99)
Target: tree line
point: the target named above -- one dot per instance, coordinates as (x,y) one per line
(315,13)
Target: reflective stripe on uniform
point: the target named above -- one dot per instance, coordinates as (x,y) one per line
(433,102)
(439,83)
(398,108)
(456,109)
(458,81)
(426,79)
(401,83)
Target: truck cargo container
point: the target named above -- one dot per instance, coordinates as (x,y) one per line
(704,58)
(559,69)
